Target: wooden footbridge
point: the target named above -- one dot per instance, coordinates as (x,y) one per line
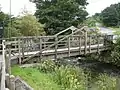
(70,42)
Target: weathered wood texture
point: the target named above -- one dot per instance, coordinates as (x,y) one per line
(22,46)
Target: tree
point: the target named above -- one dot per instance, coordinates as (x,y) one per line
(4,20)
(58,15)
(26,25)
(93,20)
(111,15)
(29,26)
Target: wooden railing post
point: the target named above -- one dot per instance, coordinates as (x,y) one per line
(15,43)
(68,46)
(89,44)
(8,61)
(105,42)
(40,48)
(85,42)
(56,46)
(22,46)
(98,42)
(79,45)
(19,48)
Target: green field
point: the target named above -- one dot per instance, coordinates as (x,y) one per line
(36,79)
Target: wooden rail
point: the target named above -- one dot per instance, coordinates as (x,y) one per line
(21,47)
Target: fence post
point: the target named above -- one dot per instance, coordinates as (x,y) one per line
(19,47)
(89,44)
(85,42)
(98,42)
(105,43)
(40,48)
(8,61)
(22,41)
(79,45)
(56,46)
(68,46)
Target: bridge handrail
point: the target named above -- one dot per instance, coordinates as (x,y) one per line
(55,43)
(63,38)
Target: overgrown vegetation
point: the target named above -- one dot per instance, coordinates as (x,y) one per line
(50,76)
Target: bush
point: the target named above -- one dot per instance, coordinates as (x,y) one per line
(47,66)
(105,82)
(116,53)
(70,78)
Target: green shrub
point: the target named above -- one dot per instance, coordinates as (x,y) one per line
(116,53)
(47,66)
(70,78)
(105,82)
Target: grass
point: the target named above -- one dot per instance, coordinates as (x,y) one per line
(35,78)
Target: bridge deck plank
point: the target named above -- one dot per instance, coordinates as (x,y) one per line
(53,50)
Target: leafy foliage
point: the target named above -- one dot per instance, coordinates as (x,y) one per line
(26,25)
(116,53)
(70,78)
(93,20)
(58,15)
(3,17)
(105,82)
(4,20)
(47,66)
(111,15)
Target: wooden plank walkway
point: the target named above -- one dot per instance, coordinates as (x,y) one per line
(58,50)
